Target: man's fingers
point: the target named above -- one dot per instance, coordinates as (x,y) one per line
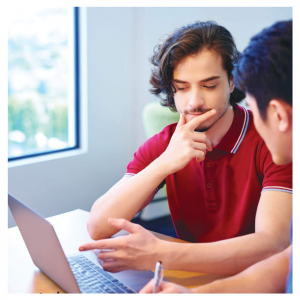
(198,159)
(104,255)
(199,155)
(124,224)
(181,121)
(199,146)
(202,138)
(168,287)
(113,266)
(148,288)
(194,123)
(112,243)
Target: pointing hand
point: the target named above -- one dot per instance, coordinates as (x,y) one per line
(136,251)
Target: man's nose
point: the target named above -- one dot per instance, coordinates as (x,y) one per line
(196,99)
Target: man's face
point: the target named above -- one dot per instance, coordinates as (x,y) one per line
(201,85)
(279,142)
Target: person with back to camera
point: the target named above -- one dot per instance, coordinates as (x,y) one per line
(225,194)
(267,60)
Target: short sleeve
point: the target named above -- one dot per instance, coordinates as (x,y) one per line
(149,151)
(275,178)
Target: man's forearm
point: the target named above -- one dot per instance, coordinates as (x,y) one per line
(223,257)
(267,276)
(124,200)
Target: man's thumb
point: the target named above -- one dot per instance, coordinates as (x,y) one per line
(123,224)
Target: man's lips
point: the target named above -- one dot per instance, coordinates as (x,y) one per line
(197,113)
(190,117)
(194,115)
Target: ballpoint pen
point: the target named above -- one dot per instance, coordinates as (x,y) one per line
(158,276)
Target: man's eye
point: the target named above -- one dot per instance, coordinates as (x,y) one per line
(180,88)
(210,87)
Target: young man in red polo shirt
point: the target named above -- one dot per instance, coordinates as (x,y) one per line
(225,194)
(268,59)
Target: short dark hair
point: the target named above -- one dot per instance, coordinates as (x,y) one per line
(185,41)
(264,70)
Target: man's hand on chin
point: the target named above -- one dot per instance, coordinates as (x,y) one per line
(137,251)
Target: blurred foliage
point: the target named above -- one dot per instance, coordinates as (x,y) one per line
(23,116)
(37,80)
(59,122)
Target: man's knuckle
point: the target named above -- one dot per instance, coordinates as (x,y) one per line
(185,135)
(102,246)
(201,155)
(112,270)
(203,147)
(123,244)
(189,144)
(125,256)
(122,222)
(138,227)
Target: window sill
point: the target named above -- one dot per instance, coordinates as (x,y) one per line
(47,157)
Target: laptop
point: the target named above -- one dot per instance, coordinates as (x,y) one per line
(77,273)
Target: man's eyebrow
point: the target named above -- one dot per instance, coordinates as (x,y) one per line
(209,78)
(179,81)
(203,80)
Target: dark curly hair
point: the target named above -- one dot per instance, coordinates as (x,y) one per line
(265,68)
(185,41)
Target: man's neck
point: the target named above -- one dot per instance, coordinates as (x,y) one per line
(220,128)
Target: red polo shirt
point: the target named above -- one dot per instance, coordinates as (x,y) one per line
(217,198)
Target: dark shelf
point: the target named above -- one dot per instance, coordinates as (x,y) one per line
(162,225)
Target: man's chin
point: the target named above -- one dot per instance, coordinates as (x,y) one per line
(202,129)
(205,128)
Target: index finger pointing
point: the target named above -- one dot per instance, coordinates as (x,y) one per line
(112,243)
(193,124)
(181,121)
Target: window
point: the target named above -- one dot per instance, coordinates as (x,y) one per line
(43,81)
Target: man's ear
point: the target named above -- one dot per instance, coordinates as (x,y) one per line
(281,113)
(231,84)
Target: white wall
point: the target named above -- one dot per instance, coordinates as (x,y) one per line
(118,44)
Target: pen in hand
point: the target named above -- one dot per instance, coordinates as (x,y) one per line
(158,276)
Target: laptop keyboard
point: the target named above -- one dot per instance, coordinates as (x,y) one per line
(93,279)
